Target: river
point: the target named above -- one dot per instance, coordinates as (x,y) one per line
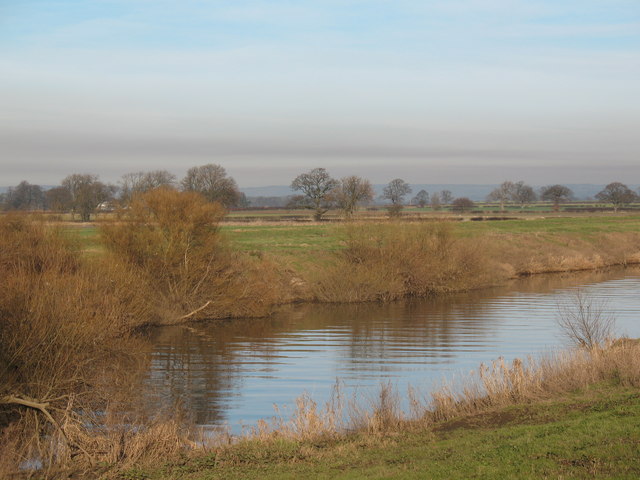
(233,372)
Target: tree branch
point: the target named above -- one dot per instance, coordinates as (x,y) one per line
(184,317)
(42,408)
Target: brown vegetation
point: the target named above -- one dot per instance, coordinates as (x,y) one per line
(395,260)
(530,254)
(68,362)
(171,240)
(491,387)
(58,358)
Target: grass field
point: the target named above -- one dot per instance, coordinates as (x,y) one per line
(592,433)
(297,238)
(299,242)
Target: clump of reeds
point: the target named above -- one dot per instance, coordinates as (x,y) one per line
(395,260)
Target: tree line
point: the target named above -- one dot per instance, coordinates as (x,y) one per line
(84,194)
(321,192)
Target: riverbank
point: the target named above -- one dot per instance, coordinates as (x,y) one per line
(86,310)
(593,432)
(574,415)
(388,260)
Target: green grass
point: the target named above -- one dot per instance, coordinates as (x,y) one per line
(87,237)
(589,434)
(584,225)
(298,243)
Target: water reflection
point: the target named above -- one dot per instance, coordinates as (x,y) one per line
(233,371)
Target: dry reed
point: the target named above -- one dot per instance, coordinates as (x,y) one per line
(492,386)
(398,259)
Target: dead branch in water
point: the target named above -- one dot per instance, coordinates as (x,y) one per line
(42,408)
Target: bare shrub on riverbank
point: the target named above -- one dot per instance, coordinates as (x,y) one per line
(395,260)
(172,240)
(65,346)
(585,321)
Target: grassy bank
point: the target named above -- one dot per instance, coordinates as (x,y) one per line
(592,432)
(384,260)
(574,415)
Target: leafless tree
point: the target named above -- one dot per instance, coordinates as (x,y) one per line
(435,200)
(317,187)
(618,194)
(585,320)
(141,182)
(351,191)
(395,192)
(213,183)
(523,194)
(446,197)
(556,194)
(24,196)
(87,192)
(502,194)
(421,199)
(463,204)
(59,199)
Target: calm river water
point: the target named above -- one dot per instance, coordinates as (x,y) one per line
(233,372)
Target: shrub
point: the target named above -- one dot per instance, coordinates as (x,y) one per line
(386,262)
(172,240)
(584,321)
(59,318)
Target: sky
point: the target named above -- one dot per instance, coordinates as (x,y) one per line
(431,91)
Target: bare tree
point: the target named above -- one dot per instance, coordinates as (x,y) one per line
(24,196)
(556,194)
(523,194)
(463,204)
(59,199)
(351,191)
(86,193)
(141,182)
(395,192)
(446,197)
(502,194)
(421,199)
(617,194)
(435,200)
(585,321)
(212,182)
(316,186)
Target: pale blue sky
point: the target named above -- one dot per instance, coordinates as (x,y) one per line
(458,91)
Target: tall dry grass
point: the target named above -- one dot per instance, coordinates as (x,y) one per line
(398,259)
(491,387)
(528,254)
(171,240)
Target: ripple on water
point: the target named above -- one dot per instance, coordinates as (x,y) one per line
(236,372)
